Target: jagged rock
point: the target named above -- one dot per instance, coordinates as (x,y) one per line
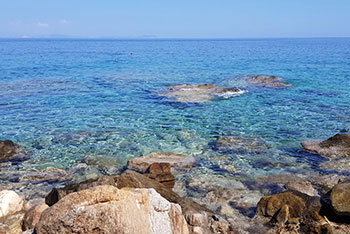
(267,81)
(196,93)
(340,198)
(56,194)
(10,203)
(106,209)
(141,164)
(337,146)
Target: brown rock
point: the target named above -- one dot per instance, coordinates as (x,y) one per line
(340,199)
(161,172)
(141,164)
(32,216)
(106,209)
(267,81)
(337,146)
(7,149)
(270,205)
(136,180)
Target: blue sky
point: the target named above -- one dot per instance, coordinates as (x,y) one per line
(175,19)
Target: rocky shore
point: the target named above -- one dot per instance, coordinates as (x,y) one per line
(145,197)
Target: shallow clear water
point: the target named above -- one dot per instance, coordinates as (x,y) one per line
(67,99)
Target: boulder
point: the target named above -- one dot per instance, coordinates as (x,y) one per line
(10,203)
(141,164)
(267,81)
(340,198)
(197,93)
(294,209)
(337,146)
(106,209)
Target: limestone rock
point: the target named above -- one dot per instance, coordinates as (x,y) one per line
(10,203)
(340,199)
(197,93)
(337,146)
(141,164)
(11,224)
(267,81)
(106,209)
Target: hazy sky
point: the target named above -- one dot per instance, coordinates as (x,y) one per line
(175,19)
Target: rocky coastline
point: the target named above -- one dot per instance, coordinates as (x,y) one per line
(151,193)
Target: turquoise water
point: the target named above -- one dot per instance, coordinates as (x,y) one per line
(68,99)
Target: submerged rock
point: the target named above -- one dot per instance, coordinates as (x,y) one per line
(9,151)
(337,146)
(196,93)
(239,143)
(106,209)
(141,164)
(267,81)
(340,198)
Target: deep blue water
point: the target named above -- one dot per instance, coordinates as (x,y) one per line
(66,99)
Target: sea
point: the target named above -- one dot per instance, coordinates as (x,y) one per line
(70,101)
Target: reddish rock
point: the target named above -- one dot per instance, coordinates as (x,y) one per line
(32,216)
(161,172)
(141,164)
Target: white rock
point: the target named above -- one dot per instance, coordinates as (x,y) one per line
(10,202)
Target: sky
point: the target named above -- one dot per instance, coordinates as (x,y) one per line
(175,19)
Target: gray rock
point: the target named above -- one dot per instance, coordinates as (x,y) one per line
(267,81)
(340,198)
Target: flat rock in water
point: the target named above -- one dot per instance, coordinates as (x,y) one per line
(337,146)
(106,209)
(340,198)
(196,93)
(141,164)
(267,81)
(239,143)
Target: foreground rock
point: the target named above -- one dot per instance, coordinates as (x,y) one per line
(142,164)
(196,93)
(10,203)
(294,211)
(337,146)
(267,81)
(106,209)
(32,216)
(340,199)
